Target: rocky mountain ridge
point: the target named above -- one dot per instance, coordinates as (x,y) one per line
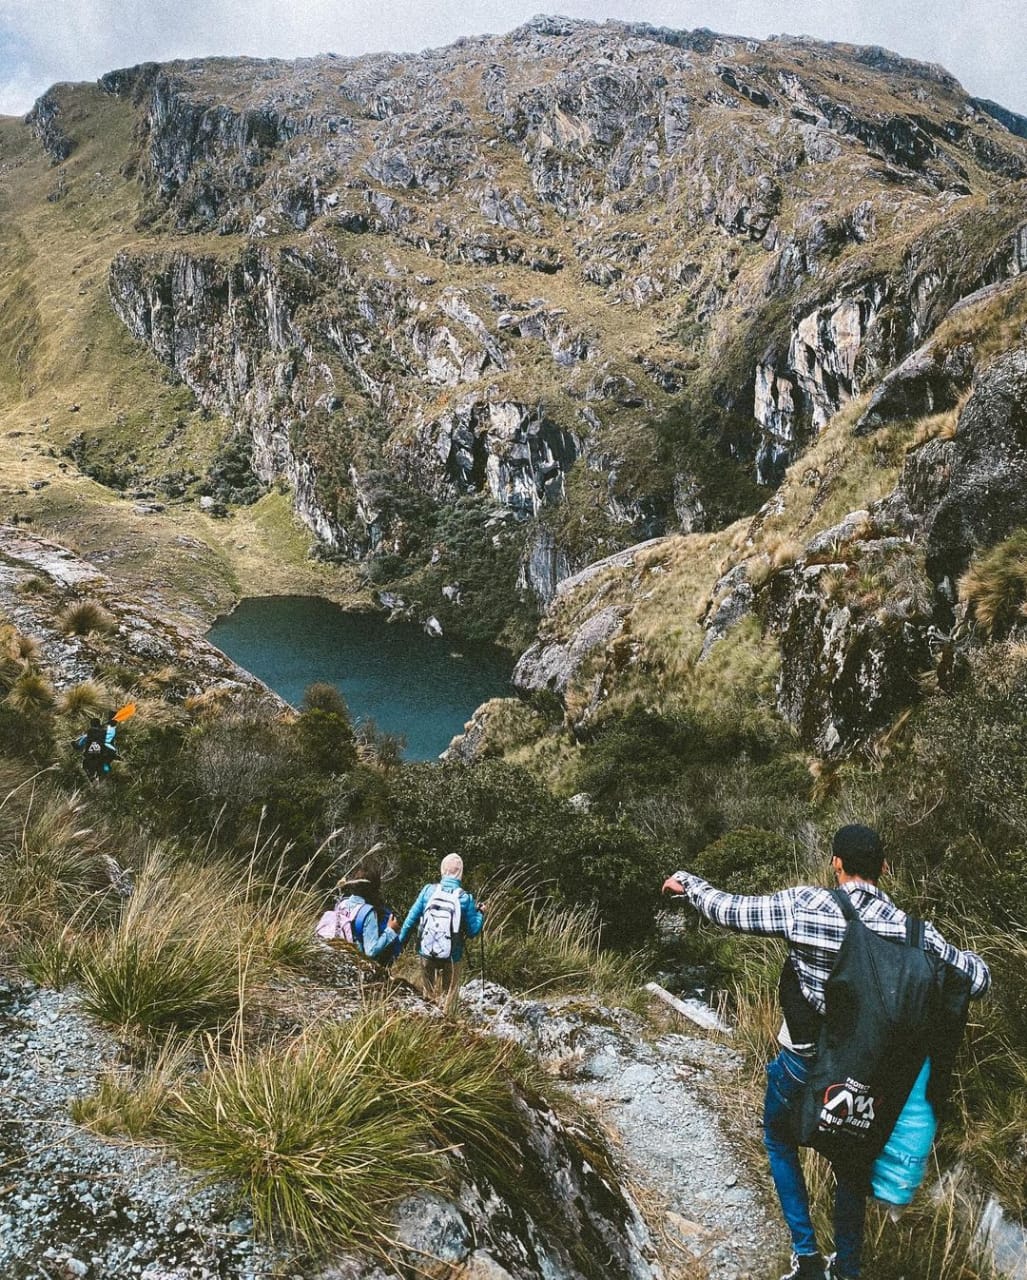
(604,281)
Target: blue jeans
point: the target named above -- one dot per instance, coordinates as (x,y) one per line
(786,1075)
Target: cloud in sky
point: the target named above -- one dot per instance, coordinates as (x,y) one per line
(984,44)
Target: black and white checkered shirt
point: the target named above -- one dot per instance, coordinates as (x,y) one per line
(812,923)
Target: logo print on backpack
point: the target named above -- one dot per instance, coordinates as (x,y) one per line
(440,924)
(849,1104)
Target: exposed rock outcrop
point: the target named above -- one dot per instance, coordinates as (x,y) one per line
(848,665)
(986,495)
(45,119)
(553,666)
(142,634)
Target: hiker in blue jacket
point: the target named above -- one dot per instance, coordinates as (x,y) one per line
(443,915)
(356,916)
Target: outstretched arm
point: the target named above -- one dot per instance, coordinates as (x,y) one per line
(768,914)
(968,962)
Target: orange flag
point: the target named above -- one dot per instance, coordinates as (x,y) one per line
(124,713)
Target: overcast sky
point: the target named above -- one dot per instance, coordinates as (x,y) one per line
(982,42)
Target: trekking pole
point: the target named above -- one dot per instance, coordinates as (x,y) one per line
(482,959)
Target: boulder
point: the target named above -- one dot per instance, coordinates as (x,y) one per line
(554,665)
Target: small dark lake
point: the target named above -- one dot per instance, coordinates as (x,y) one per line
(392,673)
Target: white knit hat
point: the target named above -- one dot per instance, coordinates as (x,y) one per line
(452,865)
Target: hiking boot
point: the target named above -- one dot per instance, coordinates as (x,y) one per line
(834,1272)
(808,1266)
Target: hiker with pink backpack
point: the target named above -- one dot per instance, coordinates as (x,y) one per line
(361,918)
(444,915)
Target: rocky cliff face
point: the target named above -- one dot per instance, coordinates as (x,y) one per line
(852,612)
(489,270)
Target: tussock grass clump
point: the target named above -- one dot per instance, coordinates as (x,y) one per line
(85,617)
(133,1102)
(52,869)
(31,693)
(326,1134)
(86,698)
(35,586)
(27,648)
(995,588)
(156,981)
(54,958)
(190,940)
(535,945)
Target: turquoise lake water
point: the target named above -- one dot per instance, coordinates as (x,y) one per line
(393,673)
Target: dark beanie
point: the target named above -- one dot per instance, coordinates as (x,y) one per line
(860,850)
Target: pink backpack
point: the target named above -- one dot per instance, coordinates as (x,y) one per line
(343,924)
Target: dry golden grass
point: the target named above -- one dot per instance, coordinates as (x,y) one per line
(994,588)
(86,617)
(85,698)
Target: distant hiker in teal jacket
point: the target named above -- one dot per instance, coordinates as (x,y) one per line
(443,915)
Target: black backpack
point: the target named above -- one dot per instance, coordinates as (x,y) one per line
(885,1002)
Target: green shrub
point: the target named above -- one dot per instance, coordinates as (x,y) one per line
(748,860)
(326,740)
(499,818)
(321,696)
(644,751)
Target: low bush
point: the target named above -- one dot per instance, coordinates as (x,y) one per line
(748,860)
(498,817)
(645,751)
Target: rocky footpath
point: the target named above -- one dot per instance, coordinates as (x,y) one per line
(75,1205)
(660,1099)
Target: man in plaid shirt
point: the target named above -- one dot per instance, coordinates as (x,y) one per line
(813,925)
